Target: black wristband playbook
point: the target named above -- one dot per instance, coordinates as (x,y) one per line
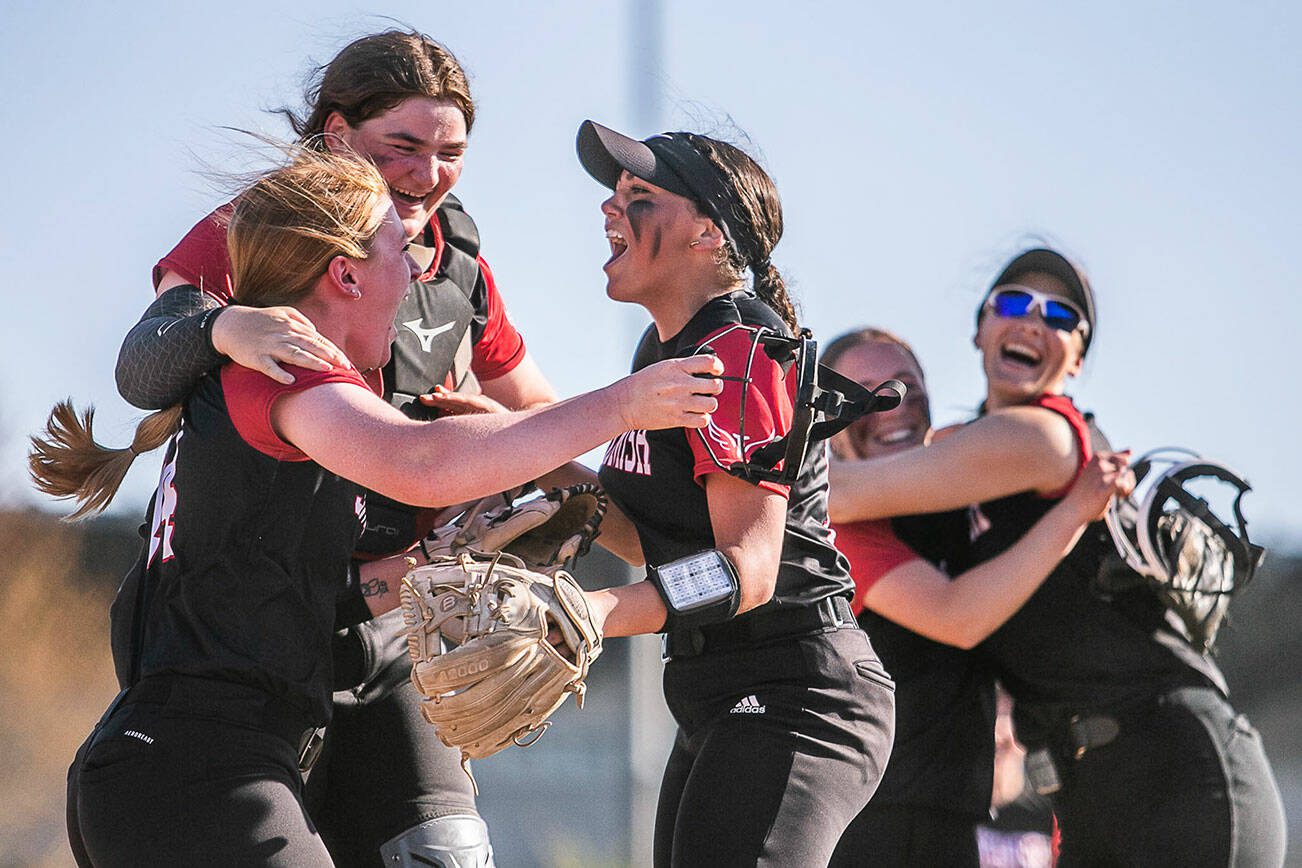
(699,589)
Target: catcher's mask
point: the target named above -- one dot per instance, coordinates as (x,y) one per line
(825,403)
(1169,532)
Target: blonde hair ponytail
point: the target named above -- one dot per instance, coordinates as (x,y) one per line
(68,462)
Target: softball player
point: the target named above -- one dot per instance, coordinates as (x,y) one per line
(228,614)
(382,783)
(1129,725)
(937,786)
(784,710)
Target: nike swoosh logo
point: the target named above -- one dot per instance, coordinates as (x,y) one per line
(425,335)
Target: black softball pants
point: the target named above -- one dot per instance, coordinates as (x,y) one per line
(779,747)
(902,836)
(161,784)
(1187,784)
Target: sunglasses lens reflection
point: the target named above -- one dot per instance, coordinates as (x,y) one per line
(1060,316)
(1016,303)
(1011,302)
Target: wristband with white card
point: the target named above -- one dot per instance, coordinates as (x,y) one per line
(699,589)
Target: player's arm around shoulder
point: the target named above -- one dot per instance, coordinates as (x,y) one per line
(350,431)
(1005,452)
(965,610)
(347,429)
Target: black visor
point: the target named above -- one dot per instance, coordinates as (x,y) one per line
(669,161)
(1054,264)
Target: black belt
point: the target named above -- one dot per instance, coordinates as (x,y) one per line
(829,613)
(236,703)
(1076,734)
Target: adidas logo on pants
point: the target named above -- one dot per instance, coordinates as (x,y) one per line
(749,705)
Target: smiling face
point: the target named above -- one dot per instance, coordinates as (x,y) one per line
(418,146)
(1023,357)
(871,363)
(651,233)
(380,282)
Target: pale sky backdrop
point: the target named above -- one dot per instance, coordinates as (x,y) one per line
(916,147)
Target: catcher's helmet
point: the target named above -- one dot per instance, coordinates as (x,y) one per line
(1173,537)
(825,402)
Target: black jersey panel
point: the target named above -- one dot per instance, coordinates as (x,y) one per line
(245,560)
(944,696)
(1067,649)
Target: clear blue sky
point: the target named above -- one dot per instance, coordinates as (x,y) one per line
(915,145)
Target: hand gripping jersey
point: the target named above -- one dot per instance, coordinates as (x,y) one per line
(452,328)
(943,757)
(1068,650)
(657,477)
(247,554)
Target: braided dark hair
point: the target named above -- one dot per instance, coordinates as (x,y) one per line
(756,221)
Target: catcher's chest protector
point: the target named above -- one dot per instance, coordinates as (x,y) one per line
(434,320)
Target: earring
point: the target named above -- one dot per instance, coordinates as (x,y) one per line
(694,244)
(356,293)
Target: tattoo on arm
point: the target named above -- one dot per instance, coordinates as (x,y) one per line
(374,588)
(164,356)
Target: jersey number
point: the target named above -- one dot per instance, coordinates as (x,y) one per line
(160,537)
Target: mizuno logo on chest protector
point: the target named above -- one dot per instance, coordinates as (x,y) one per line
(426,335)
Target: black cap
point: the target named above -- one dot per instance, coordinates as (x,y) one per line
(668,160)
(1054,264)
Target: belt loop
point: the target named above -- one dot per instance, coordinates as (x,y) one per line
(837,621)
(310,750)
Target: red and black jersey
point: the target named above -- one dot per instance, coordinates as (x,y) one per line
(248,551)
(1068,649)
(943,757)
(657,477)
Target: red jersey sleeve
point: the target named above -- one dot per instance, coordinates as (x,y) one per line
(201,257)
(873,550)
(250,394)
(768,402)
(500,348)
(1080,429)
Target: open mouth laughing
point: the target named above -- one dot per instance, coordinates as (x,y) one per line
(618,245)
(407,199)
(1020,354)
